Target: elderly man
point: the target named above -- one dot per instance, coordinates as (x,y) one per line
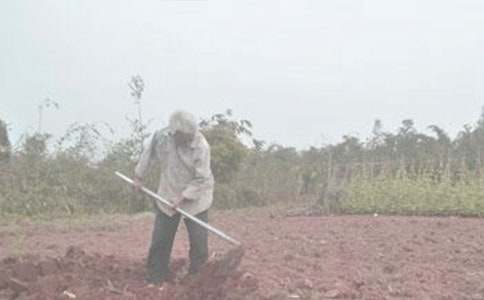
(186,180)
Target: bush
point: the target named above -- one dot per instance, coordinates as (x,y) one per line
(415,196)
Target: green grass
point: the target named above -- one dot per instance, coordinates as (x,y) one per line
(415,196)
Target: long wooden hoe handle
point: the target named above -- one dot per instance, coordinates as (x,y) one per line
(182,212)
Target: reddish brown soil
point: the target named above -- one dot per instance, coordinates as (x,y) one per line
(341,257)
(82,276)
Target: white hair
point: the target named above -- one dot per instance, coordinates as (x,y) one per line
(183,121)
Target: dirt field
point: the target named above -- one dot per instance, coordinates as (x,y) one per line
(340,257)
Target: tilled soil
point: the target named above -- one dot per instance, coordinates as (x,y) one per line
(340,257)
(77,275)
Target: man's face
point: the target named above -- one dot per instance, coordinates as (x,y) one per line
(183,139)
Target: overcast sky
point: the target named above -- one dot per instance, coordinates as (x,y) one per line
(304,72)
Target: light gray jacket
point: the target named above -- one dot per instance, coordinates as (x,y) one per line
(185,171)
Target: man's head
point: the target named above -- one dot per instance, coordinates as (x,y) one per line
(183,126)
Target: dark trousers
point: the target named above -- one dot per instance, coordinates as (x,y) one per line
(164,231)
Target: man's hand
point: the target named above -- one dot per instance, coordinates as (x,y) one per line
(137,184)
(177,202)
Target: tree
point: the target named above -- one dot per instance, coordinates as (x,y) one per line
(377,135)
(137,87)
(349,150)
(467,146)
(5,146)
(312,166)
(224,134)
(35,146)
(442,145)
(406,141)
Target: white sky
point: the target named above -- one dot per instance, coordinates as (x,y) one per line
(304,72)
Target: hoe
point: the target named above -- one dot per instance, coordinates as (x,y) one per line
(221,267)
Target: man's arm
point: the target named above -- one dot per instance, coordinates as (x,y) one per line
(203,178)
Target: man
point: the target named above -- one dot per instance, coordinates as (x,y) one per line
(186,180)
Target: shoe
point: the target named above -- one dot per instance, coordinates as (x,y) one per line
(170,278)
(151,282)
(160,286)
